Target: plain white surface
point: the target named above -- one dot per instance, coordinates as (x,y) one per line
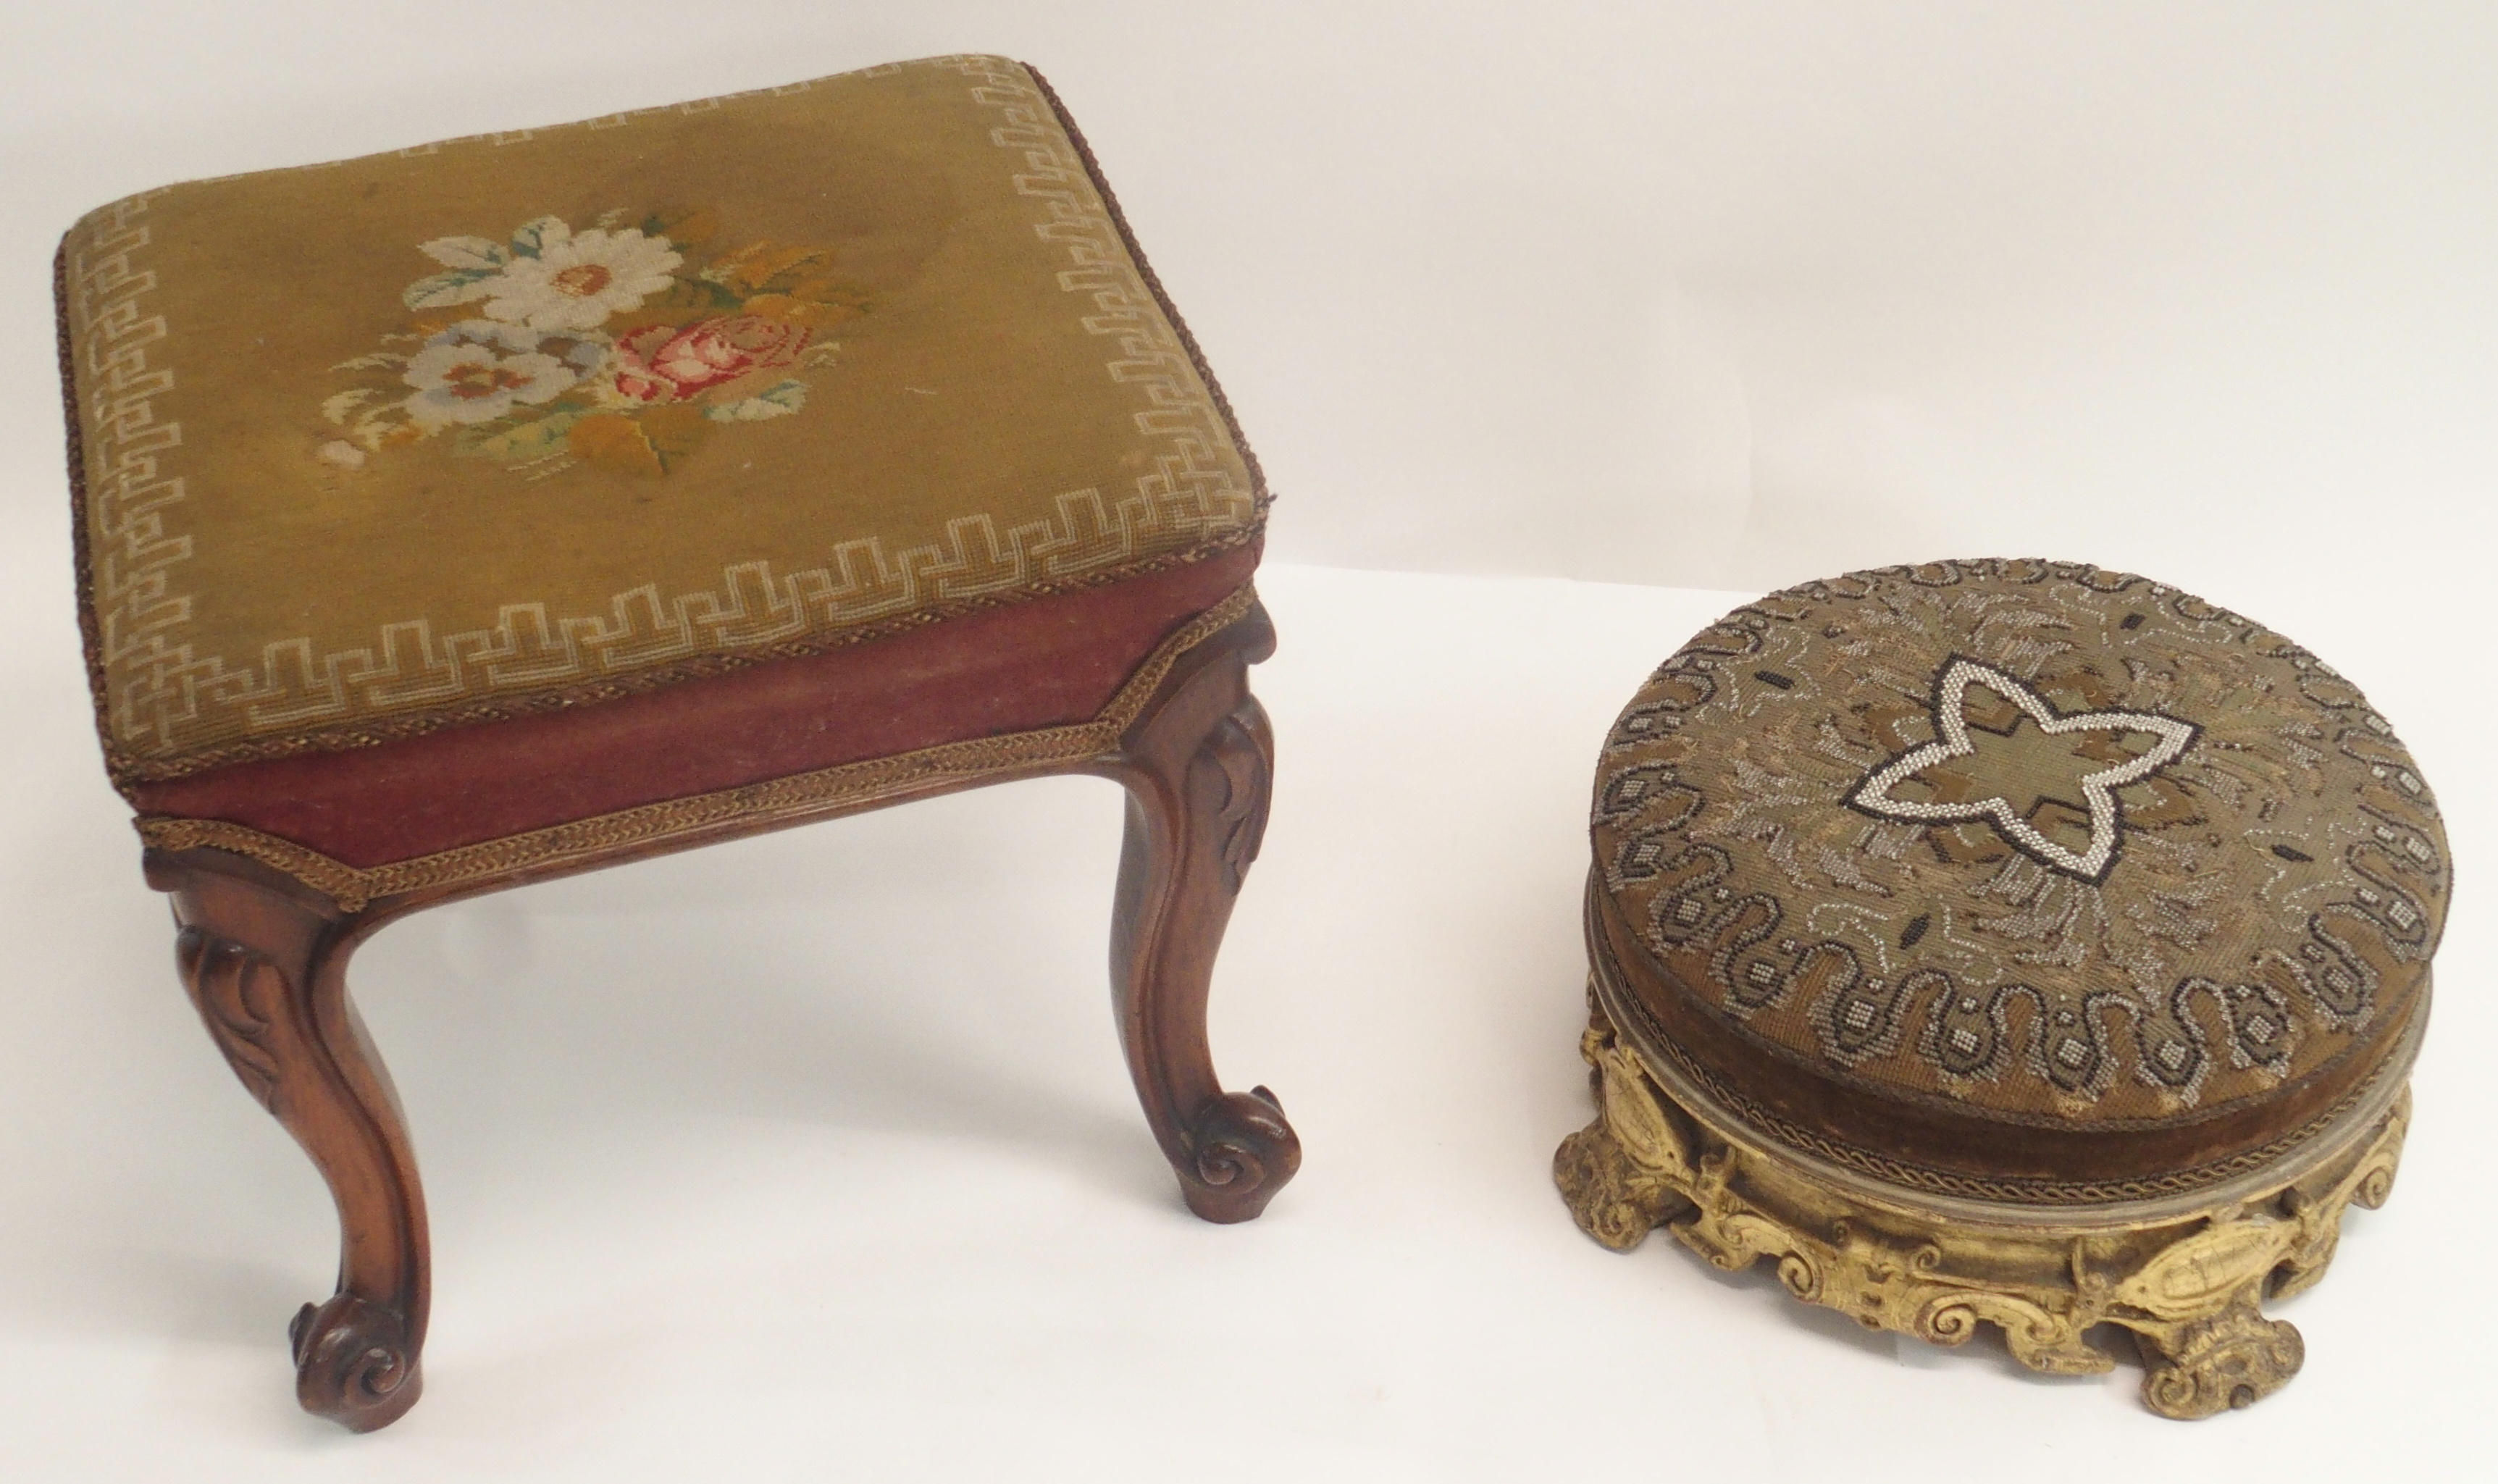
(812,1157)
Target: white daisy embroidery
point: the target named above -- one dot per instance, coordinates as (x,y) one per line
(1873,793)
(551,278)
(477,371)
(579,278)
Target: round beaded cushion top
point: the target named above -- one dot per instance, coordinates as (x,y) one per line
(2018,901)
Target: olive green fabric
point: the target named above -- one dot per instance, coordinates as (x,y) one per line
(431,434)
(2026,840)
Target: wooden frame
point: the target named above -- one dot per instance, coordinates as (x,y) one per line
(264,958)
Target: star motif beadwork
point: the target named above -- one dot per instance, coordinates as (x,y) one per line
(1872,794)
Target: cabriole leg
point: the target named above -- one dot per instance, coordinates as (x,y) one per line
(1197,766)
(265,960)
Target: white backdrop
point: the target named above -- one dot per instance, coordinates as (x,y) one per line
(1687,296)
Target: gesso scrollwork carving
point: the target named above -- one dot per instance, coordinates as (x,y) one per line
(2189,1290)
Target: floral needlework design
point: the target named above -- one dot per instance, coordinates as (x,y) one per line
(620,346)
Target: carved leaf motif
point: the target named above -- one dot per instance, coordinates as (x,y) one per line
(2201,1273)
(2039,1338)
(239,994)
(1637,1122)
(1611,1199)
(1228,776)
(1740,1238)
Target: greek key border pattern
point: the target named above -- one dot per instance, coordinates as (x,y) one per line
(1189,485)
(352,887)
(156,691)
(120,479)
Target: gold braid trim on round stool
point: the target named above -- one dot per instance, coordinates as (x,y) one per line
(2184,1276)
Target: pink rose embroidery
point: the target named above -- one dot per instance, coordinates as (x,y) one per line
(666,363)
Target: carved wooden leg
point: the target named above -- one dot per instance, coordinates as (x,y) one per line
(265,960)
(1197,766)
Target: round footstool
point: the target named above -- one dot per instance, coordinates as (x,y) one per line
(2007,941)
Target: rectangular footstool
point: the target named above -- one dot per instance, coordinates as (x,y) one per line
(501,508)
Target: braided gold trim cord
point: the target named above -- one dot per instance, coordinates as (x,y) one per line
(353,887)
(1647,1035)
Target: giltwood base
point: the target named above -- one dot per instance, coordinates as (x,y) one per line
(2186,1284)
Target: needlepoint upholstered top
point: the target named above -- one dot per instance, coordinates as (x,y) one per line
(2042,880)
(489,427)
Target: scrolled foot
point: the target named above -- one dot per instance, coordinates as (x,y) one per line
(1242,1151)
(2233,1360)
(1609,1195)
(265,960)
(352,1362)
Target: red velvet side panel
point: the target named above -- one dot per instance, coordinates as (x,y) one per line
(1049,662)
